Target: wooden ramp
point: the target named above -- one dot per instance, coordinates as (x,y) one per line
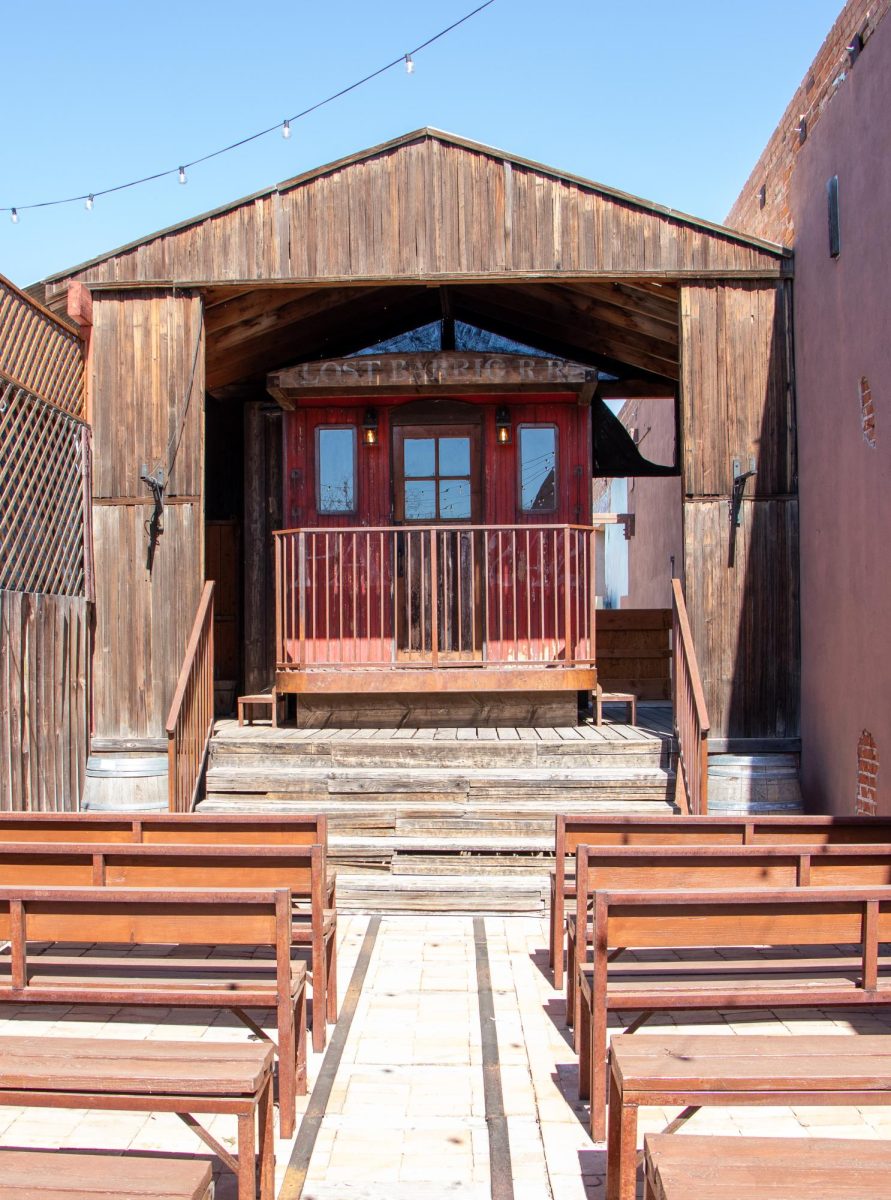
(458,820)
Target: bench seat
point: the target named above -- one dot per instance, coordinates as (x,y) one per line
(764,1070)
(190,1079)
(756,1168)
(54,1175)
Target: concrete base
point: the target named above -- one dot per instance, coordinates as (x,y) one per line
(452,710)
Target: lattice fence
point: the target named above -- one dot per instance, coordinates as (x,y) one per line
(40,352)
(44,458)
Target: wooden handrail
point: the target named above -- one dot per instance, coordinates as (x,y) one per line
(190,720)
(691,723)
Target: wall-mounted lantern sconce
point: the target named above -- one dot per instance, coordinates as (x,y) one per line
(502,426)
(369,427)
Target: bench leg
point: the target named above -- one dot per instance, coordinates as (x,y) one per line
(247,1159)
(551,938)
(266,1143)
(300,1027)
(583,1036)
(597,1048)
(571,981)
(287,1068)
(319,993)
(621,1150)
(331,977)
(558,920)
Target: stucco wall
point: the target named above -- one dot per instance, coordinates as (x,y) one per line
(842,309)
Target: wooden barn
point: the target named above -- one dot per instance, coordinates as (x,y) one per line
(369,402)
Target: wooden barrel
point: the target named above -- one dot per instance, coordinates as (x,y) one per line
(753,784)
(126,783)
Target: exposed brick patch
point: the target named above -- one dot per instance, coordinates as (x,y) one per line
(771,217)
(867,775)
(867,413)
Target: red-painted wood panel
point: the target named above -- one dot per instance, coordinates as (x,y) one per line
(501,502)
(351,584)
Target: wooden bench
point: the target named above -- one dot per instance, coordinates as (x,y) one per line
(163,919)
(271,700)
(753,922)
(147,1076)
(639,868)
(223,829)
(694,1070)
(616,829)
(26,1174)
(766,1168)
(301,869)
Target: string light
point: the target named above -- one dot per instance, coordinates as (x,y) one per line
(284,127)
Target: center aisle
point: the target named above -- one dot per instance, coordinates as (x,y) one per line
(407,1111)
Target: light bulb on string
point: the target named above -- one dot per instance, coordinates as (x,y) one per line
(286,129)
(14,216)
(88,203)
(409,65)
(182,175)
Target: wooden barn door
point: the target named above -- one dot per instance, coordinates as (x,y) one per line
(437,486)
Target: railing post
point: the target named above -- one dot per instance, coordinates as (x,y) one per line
(301,596)
(568,651)
(434,599)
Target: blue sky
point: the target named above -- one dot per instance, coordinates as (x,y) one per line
(673,102)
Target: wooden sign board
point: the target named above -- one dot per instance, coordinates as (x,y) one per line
(445,371)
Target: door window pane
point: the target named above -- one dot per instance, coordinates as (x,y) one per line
(454,456)
(420,500)
(538,468)
(420,457)
(336,470)
(454,499)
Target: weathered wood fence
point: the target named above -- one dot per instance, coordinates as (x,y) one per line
(43,701)
(45,577)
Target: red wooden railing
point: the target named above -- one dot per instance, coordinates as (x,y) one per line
(436,596)
(691,723)
(190,721)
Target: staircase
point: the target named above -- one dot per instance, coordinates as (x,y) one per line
(457,820)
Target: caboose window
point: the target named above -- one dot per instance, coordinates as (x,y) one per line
(537,464)
(336,468)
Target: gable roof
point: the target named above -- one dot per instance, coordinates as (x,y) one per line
(430,205)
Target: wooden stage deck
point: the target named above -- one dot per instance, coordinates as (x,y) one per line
(653,724)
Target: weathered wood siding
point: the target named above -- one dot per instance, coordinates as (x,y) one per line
(741,583)
(148,409)
(737,388)
(432,205)
(44,704)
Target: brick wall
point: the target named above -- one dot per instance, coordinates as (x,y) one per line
(763,206)
(866,804)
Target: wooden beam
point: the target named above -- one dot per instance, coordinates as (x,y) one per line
(422,372)
(80,305)
(333,681)
(635,389)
